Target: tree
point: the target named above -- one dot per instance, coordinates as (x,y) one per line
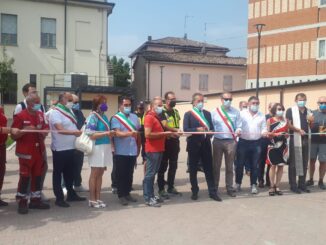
(6,73)
(121,71)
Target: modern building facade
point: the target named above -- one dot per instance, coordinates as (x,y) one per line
(50,40)
(185,67)
(293,42)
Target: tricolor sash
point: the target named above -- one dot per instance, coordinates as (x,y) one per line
(227,121)
(200,117)
(125,121)
(67,114)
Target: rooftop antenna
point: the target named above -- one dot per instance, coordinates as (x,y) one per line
(205,36)
(185,25)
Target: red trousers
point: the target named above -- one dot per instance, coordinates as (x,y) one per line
(2,164)
(30,169)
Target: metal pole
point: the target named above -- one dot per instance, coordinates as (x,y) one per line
(161,80)
(65,41)
(258,64)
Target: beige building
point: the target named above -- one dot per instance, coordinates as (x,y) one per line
(50,40)
(184,66)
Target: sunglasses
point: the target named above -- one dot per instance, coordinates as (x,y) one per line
(227,99)
(280,109)
(255,103)
(322,103)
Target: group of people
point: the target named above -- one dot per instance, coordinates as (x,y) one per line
(248,140)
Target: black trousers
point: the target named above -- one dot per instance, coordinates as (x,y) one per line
(201,151)
(262,163)
(124,174)
(78,166)
(169,160)
(63,162)
(114,173)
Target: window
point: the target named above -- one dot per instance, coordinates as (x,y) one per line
(185,81)
(48,33)
(322,3)
(321,49)
(203,82)
(10,94)
(8,29)
(227,83)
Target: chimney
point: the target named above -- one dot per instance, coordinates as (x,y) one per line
(149,38)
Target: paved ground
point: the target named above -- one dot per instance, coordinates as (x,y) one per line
(289,219)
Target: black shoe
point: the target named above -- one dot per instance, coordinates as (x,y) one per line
(305,190)
(62,204)
(194,196)
(123,201)
(231,193)
(310,182)
(130,198)
(261,184)
(296,190)
(75,198)
(3,203)
(36,203)
(22,206)
(321,185)
(215,197)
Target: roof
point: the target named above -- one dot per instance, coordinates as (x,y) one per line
(181,43)
(194,58)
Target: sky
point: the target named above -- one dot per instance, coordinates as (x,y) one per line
(132,21)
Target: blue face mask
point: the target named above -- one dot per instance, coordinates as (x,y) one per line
(36,107)
(200,106)
(159,110)
(301,103)
(76,106)
(322,107)
(127,110)
(254,108)
(227,103)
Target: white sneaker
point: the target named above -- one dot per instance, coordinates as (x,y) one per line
(254,189)
(153,203)
(237,187)
(44,197)
(80,189)
(64,189)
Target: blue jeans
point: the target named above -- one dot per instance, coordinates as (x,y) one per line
(248,152)
(152,166)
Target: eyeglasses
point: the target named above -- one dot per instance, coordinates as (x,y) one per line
(322,103)
(280,109)
(227,99)
(255,103)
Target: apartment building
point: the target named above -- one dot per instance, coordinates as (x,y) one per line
(293,41)
(53,40)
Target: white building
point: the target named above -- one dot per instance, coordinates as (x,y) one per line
(50,38)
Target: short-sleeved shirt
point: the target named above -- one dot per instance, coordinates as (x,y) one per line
(303,119)
(153,122)
(125,146)
(95,124)
(61,142)
(319,121)
(252,126)
(27,143)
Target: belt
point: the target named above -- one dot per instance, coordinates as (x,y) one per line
(215,138)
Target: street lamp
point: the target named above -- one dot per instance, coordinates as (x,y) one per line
(259,28)
(161,80)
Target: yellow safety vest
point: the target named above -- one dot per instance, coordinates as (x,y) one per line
(172,121)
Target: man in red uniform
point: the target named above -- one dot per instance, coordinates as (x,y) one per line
(30,149)
(3,139)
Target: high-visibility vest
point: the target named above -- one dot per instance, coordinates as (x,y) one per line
(172,121)
(141,119)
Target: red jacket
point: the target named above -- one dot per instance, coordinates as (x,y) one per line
(27,144)
(3,123)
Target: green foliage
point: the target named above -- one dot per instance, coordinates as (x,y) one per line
(121,71)
(6,72)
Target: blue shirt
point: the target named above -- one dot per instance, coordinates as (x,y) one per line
(125,146)
(94,124)
(219,125)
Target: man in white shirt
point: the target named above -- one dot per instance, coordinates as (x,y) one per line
(227,122)
(63,148)
(249,146)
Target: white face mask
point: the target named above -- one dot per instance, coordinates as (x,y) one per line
(279,113)
(69,105)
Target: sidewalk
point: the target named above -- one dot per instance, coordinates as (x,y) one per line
(246,219)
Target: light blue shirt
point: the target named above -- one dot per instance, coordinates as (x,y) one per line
(219,125)
(125,146)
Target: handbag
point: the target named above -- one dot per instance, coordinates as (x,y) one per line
(83,142)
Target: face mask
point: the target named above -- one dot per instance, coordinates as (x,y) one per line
(173,103)
(158,110)
(103,107)
(76,106)
(36,107)
(200,106)
(227,103)
(254,108)
(322,107)
(279,113)
(127,110)
(301,103)
(69,105)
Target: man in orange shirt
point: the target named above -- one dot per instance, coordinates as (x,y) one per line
(30,149)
